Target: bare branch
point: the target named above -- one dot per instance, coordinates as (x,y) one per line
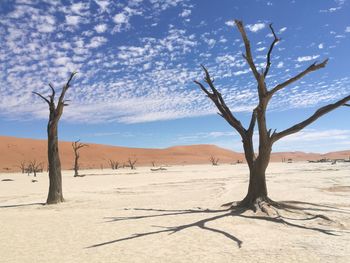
(311,68)
(320,112)
(248,56)
(216,97)
(347,105)
(202,87)
(77,145)
(65,88)
(268,57)
(41,96)
(53,92)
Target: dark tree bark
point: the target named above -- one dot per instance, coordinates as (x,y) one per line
(257,195)
(76,146)
(55,194)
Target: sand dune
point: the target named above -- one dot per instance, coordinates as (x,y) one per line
(14,150)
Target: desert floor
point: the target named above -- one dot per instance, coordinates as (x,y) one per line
(176,216)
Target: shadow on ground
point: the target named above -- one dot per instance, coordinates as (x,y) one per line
(300,210)
(19,205)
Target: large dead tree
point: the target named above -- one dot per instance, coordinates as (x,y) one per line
(257,195)
(55,194)
(76,146)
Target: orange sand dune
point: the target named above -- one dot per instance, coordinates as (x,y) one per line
(14,150)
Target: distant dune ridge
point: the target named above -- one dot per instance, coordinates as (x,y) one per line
(14,150)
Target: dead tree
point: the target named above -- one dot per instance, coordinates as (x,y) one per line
(76,146)
(55,194)
(34,167)
(114,164)
(22,166)
(257,195)
(132,163)
(213,160)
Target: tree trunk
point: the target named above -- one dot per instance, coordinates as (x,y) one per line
(257,190)
(76,168)
(55,194)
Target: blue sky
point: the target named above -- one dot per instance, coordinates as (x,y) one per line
(137,59)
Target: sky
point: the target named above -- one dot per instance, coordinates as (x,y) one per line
(137,59)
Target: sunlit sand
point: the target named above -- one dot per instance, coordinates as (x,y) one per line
(175,215)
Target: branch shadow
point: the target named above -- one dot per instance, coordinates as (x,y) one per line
(221,213)
(20,205)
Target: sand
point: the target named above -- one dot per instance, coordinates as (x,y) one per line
(176,216)
(17,150)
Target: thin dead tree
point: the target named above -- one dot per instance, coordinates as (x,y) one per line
(22,166)
(114,164)
(132,163)
(76,146)
(257,195)
(55,194)
(214,161)
(35,167)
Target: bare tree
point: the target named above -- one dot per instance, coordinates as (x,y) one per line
(55,194)
(214,161)
(114,164)
(22,166)
(34,167)
(257,196)
(132,163)
(76,146)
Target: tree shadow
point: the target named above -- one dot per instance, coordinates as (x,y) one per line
(19,205)
(221,213)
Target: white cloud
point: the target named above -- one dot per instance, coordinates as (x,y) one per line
(256,27)
(120,18)
(347,29)
(307,58)
(241,72)
(321,46)
(96,42)
(282,29)
(230,23)
(103,4)
(280,64)
(315,140)
(100,28)
(73,20)
(260,49)
(185,13)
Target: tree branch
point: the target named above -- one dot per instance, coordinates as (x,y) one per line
(65,88)
(248,56)
(311,68)
(41,96)
(216,97)
(252,122)
(268,57)
(320,112)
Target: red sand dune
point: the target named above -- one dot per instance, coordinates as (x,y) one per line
(14,150)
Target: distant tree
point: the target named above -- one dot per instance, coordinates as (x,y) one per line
(114,164)
(257,197)
(22,166)
(55,194)
(76,146)
(132,163)
(34,167)
(213,160)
